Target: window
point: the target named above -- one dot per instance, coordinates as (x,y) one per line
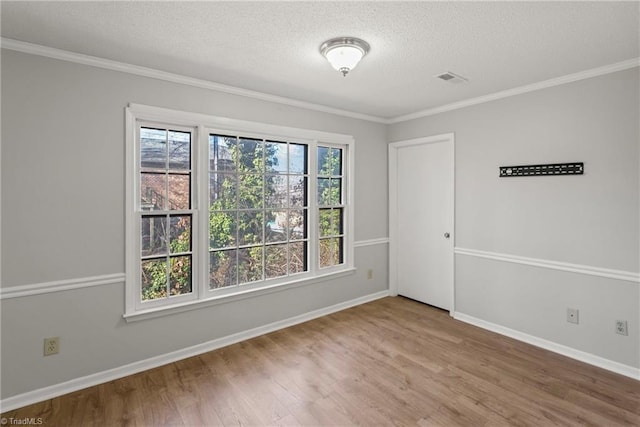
(331,206)
(258,203)
(165,212)
(217,208)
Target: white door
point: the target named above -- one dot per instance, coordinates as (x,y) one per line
(422,215)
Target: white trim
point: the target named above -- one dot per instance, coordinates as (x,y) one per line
(570,78)
(393,206)
(130,238)
(601,362)
(107,64)
(94,61)
(75,384)
(371,242)
(554,265)
(8,292)
(422,140)
(225,124)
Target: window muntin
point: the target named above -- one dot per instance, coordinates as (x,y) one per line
(258,204)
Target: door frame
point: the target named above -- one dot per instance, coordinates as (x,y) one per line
(448,138)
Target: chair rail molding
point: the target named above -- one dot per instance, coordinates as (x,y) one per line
(19,291)
(627,276)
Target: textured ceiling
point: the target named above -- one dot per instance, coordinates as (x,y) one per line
(272,47)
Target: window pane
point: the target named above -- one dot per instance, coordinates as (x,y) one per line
(250,227)
(276,226)
(276,157)
(297,257)
(250,264)
(179,150)
(250,191)
(222,229)
(180,275)
(329,161)
(297,158)
(223,269)
(153,148)
(325,222)
(275,191)
(251,155)
(330,252)
(153,230)
(180,234)
(335,195)
(297,191)
(324,191)
(154,279)
(223,191)
(336,161)
(297,224)
(323,161)
(179,191)
(329,191)
(153,191)
(330,222)
(222,152)
(275,260)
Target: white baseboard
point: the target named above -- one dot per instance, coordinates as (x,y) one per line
(56,390)
(601,362)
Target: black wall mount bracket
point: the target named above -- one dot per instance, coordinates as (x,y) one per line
(575,168)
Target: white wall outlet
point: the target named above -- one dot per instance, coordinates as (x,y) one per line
(572,315)
(51,346)
(621,327)
(369,274)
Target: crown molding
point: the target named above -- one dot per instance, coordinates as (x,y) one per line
(570,78)
(94,61)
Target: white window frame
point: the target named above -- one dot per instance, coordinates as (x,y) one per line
(203,125)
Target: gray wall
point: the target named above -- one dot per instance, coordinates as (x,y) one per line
(63,175)
(63,215)
(592,220)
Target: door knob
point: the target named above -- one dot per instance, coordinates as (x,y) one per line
(447,235)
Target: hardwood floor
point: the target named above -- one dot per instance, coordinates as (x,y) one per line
(389,362)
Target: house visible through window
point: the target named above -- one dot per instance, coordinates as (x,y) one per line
(217,212)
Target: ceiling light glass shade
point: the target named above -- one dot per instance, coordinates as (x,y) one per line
(344,53)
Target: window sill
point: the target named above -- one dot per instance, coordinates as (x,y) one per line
(236,296)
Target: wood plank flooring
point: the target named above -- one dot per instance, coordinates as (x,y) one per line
(389,362)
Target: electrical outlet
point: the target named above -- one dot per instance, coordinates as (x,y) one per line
(621,327)
(51,346)
(572,315)
(369,274)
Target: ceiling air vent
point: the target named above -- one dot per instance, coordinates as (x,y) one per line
(451,77)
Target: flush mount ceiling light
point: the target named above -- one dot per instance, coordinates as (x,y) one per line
(344,53)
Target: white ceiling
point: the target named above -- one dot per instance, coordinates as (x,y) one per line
(272,47)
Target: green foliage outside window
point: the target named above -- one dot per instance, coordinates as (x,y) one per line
(250,202)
